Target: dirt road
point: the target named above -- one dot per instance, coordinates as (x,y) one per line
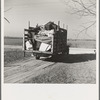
(73,68)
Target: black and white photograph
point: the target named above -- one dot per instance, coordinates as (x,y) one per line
(49,49)
(50,41)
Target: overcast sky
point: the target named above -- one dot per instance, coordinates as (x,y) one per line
(40,11)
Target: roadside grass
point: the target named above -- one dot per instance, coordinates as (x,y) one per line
(12,55)
(69,74)
(57,75)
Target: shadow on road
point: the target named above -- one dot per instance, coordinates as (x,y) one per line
(72,58)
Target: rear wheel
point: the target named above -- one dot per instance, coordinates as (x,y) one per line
(55,56)
(37,57)
(67,50)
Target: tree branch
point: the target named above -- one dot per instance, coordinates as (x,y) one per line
(6,20)
(85,29)
(85,9)
(7,10)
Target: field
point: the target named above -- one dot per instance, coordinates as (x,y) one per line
(74,68)
(13,41)
(70,42)
(11,55)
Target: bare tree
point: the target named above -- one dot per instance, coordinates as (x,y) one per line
(83,8)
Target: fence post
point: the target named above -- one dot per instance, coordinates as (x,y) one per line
(66,27)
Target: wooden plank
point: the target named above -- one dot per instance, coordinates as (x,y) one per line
(63,25)
(38,52)
(24,44)
(28,24)
(24,41)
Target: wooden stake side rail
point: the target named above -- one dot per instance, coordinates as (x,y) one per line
(59,41)
(38,52)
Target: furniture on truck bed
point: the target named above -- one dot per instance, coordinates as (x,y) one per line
(58,43)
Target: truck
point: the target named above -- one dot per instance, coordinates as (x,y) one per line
(58,42)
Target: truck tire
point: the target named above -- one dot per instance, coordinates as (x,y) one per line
(37,57)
